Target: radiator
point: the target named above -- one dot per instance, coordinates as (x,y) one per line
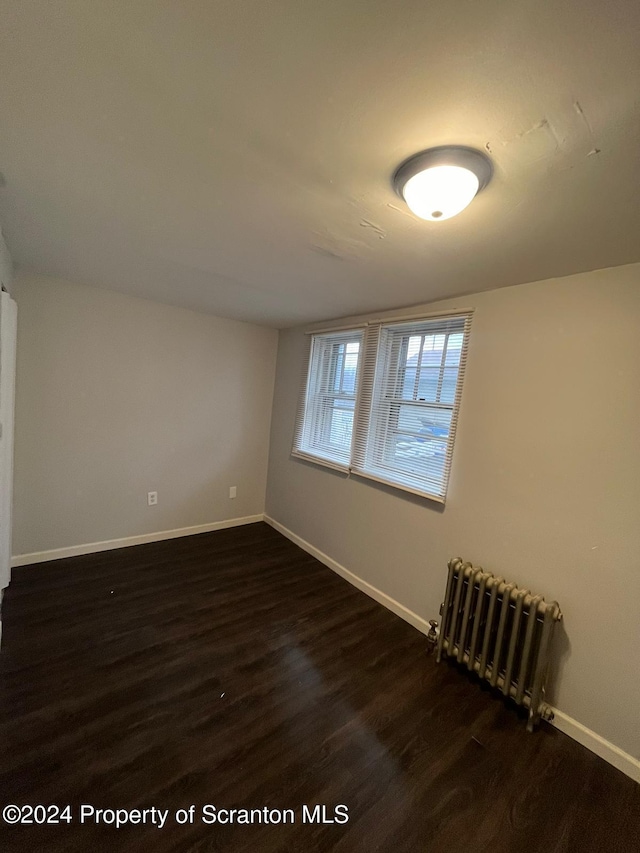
(499,631)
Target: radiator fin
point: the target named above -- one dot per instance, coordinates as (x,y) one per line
(500,631)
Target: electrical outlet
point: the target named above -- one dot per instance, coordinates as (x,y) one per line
(233,491)
(152,498)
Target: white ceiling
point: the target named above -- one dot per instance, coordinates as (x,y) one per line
(235,156)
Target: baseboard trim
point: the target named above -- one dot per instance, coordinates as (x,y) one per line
(111,544)
(612,754)
(372,591)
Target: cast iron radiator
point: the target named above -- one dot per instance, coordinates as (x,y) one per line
(499,631)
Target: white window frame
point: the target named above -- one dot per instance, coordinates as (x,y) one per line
(318,400)
(377,405)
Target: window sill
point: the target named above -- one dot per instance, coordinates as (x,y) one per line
(367,475)
(380,478)
(320,460)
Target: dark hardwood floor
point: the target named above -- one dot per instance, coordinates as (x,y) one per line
(233,669)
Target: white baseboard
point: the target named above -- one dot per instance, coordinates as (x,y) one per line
(612,754)
(111,544)
(372,591)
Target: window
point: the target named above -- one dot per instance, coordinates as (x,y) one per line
(325,425)
(393,418)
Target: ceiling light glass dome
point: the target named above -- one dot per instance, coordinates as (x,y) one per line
(439,183)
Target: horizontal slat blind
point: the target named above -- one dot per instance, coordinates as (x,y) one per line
(458,395)
(410,395)
(363,411)
(326,409)
(384,402)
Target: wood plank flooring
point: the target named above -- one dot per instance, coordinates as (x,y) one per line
(233,669)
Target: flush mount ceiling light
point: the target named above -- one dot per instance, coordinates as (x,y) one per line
(439,183)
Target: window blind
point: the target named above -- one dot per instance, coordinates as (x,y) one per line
(325,417)
(383,402)
(411,386)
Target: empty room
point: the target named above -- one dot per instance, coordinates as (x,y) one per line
(319,424)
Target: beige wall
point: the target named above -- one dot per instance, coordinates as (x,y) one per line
(118,396)
(545,484)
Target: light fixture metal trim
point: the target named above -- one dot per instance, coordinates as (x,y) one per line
(445,155)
